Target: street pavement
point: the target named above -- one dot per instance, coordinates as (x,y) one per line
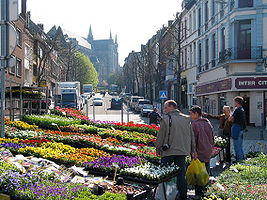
(255,138)
(105,113)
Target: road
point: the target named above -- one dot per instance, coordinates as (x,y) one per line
(105,113)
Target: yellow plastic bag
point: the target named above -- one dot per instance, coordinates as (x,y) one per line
(196,173)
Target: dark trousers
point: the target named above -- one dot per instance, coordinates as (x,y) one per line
(181,180)
(199,190)
(228,150)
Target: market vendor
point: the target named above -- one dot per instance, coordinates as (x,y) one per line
(175,140)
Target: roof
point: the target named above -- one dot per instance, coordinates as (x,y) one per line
(81,40)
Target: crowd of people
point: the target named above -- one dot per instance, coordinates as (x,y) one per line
(181,135)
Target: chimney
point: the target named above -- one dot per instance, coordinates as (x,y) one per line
(28,18)
(41,26)
(23,8)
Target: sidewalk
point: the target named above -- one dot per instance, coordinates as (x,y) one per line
(255,138)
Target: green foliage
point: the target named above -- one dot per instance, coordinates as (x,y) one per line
(245,181)
(7,166)
(85,70)
(50,121)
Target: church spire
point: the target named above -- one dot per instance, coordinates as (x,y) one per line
(110,35)
(116,39)
(90,36)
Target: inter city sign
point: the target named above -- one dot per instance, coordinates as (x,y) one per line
(251,83)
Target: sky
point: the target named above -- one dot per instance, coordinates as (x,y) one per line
(134,21)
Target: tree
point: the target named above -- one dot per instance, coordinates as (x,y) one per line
(83,70)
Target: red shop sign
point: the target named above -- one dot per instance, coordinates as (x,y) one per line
(251,83)
(214,87)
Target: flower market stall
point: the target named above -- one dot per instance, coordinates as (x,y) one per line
(71,149)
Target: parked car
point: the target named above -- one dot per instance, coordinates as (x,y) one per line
(146,110)
(116,103)
(134,100)
(140,103)
(126,97)
(98,101)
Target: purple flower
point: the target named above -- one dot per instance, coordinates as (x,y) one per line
(15,146)
(108,162)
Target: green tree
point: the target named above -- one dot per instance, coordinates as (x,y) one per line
(116,78)
(84,71)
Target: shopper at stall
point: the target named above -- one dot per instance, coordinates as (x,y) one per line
(224,128)
(154,117)
(175,140)
(239,125)
(204,140)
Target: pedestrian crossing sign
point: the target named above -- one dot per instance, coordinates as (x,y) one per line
(163,94)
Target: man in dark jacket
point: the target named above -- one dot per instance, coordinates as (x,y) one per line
(175,141)
(154,117)
(204,139)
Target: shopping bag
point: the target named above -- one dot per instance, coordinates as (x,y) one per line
(170,190)
(196,173)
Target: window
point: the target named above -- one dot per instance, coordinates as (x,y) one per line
(213,50)
(19,38)
(185,28)
(182,31)
(19,67)
(195,54)
(199,56)
(206,15)
(244,39)
(207,54)
(232,5)
(212,8)
(199,21)
(194,20)
(185,58)
(12,70)
(221,10)
(223,39)
(245,3)
(199,17)
(190,24)
(191,56)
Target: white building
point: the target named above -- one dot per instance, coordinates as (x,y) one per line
(224,51)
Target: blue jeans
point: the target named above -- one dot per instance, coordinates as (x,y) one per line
(181,180)
(237,135)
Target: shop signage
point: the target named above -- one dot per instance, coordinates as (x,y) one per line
(214,87)
(251,83)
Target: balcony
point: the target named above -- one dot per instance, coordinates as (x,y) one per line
(225,55)
(245,53)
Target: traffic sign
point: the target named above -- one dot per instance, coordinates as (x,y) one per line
(163,94)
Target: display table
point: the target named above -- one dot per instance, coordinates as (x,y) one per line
(153,185)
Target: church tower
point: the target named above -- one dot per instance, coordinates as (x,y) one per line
(90,36)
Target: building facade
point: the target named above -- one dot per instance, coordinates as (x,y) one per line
(104,55)
(224,55)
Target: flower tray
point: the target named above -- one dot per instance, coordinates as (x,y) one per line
(147,181)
